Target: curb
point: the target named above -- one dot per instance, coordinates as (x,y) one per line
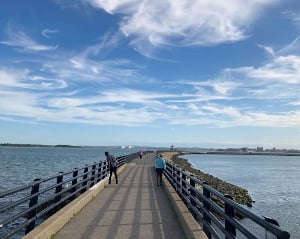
(190,226)
(58,220)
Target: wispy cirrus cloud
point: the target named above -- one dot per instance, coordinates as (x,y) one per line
(21,40)
(210,102)
(291,48)
(107,43)
(293,16)
(280,69)
(152,24)
(47,33)
(24,79)
(269,50)
(214,109)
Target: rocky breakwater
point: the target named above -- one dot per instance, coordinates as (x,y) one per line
(239,195)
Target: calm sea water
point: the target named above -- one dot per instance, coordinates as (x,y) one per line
(19,166)
(272,181)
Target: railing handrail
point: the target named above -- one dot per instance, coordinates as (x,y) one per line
(42,200)
(204,208)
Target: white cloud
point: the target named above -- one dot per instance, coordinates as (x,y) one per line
(291,48)
(134,107)
(229,116)
(269,50)
(8,78)
(107,43)
(20,104)
(47,33)
(155,23)
(293,16)
(210,102)
(19,39)
(280,69)
(24,79)
(118,93)
(113,6)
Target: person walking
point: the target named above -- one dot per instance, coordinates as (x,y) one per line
(113,165)
(141,154)
(160,165)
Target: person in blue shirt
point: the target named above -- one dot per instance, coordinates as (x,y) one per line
(160,165)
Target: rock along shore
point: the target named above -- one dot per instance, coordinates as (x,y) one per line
(239,195)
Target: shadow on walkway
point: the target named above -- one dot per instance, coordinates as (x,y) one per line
(134,208)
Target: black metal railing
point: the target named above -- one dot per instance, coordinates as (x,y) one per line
(22,208)
(219,216)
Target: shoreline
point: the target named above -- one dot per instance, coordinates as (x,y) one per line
(239,194)
(248,153)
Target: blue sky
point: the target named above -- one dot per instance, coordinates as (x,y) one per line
(190,73)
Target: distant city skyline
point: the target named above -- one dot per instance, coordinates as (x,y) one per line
(147,147)
(153,73)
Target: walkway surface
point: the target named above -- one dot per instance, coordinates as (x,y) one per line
(134,208)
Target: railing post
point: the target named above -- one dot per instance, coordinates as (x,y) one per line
(123,159)
(74,182)
(174,175)
(118,162)
(93,174)
(99,172)
(183,184)
(58,188)
(33,201)
(178,184)
(106,168)
(229,211)
(84,183)
(206,219)
(193,193)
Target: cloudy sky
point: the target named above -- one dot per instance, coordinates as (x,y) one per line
(121,72)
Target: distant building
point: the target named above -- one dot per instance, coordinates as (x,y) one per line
(172,147)
(244,150)
(259,149)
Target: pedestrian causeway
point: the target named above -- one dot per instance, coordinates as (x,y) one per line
(133,208)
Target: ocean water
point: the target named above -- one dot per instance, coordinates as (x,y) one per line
(272,182)
(21,165)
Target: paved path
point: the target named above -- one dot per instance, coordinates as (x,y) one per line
(134,208)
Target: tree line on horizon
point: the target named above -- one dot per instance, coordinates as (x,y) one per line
(37,145)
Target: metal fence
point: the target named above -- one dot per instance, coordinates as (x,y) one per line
(25,207)
(219,216)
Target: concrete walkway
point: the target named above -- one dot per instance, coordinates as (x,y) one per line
(134,208)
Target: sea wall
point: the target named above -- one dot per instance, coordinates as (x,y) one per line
(239,195)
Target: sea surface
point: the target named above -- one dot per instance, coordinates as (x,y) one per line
(21,165)
(272,181)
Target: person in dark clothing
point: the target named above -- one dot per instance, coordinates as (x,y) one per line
(141,154)
(113,166)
